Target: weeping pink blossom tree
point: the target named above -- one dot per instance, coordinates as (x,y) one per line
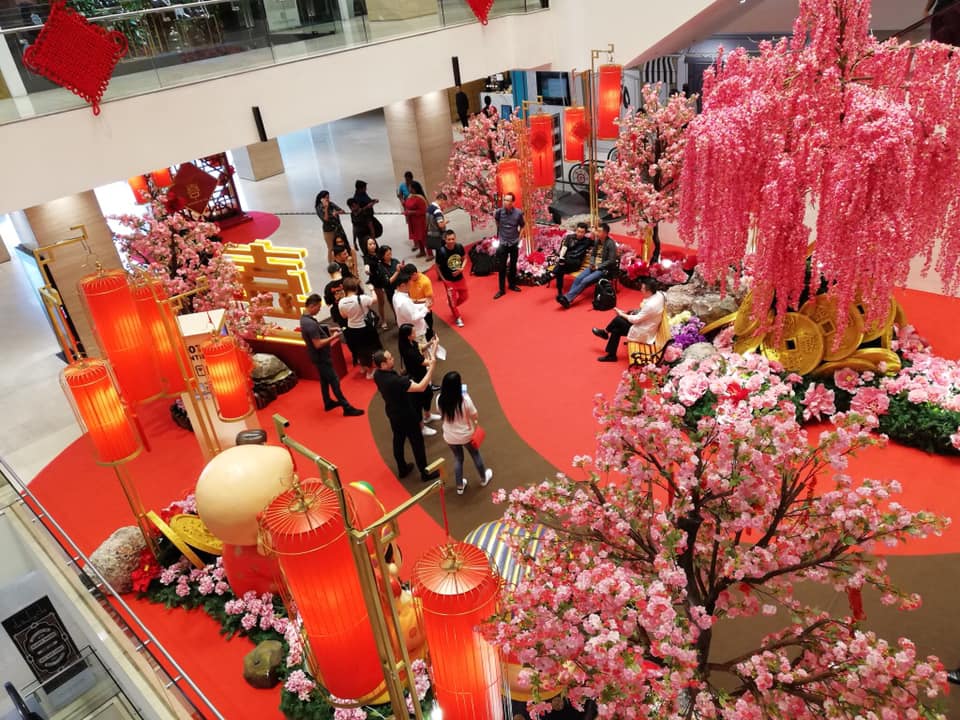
(642,184)
(718,506)
(869,131)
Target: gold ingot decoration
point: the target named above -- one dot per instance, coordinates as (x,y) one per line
(878,330)
(193,531)
(800,346)
(854,363)
(175,538)
(899,316)
(719,323)
(823,311)
(877,355)
(748,343)
(745,324)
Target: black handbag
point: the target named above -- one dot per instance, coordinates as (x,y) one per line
(377,227)
(480,263)
(604,296)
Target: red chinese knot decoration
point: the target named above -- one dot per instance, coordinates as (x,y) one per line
(541,147)
(76,54)
(481,8)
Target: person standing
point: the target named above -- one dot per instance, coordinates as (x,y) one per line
(415,210)
(329,214)
(389,269)
(459,426)
(362,339)
(371,265)
(407,311)
(420,290)
(436,222)
(603,263)
(403,415)
(510,223)
(415,365)
(641,325)
(450,267)
(364,208)
(404,188)
(318,339)
(463,106)
(333,292)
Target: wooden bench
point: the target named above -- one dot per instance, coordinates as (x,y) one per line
(639,354)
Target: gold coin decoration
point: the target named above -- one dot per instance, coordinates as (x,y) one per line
(192,529)
(823,311)
(827,369)
(875,330)
(174,537)
(878,355)
(800,346)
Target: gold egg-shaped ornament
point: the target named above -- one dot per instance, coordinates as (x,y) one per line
(822,309)
(799,345)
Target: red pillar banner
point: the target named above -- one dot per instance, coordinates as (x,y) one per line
(575,132)
(609,86)
(481,8)
(541,149)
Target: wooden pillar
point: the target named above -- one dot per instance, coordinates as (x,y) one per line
(258,161)
(421,136)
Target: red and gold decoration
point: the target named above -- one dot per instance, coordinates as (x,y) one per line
(140,187)
(458,591)
(102,414)
(541,149)
(509,179)
(609,88)
(114,315)
(161,178)
(192,187)
(481,8)
(169,357)
(576,130)
(228,372)
(75,53)
(305,528)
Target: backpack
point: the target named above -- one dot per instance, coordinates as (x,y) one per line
(604,296)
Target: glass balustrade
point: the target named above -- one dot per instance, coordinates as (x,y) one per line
(177,43)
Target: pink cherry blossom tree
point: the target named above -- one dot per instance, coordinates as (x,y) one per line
(706,501)
(185,254)
(471,182)
(642,183)
(869,131)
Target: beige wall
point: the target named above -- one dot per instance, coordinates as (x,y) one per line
(421,137)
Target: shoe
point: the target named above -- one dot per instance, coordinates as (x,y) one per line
(500,294)
(430,256)
(435,388)
(332,406)
(458,322)
(421,254)
(953,676)
(461,486)
(428,431)
(405,470)
(515,288)
(607,358)
(431,417)
(600,333)
(352,412)
(563,301)
(432,475)
(487,477)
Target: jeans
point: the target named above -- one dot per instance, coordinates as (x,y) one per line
(582,281)
(329,381)
(458,461)
(507,256)
(408,428)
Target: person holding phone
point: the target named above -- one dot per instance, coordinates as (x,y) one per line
(459,428)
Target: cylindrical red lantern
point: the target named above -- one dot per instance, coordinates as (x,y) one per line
(148,295)
(141,189)
(161,178)
(458,591)
(123,340)
(508,179)
(609,86)
(228,372)
(575,131)
(100,410)
(541,149)
(305,528)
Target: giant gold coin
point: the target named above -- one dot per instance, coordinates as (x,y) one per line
(829,368)
(799,347)
(822,309)
(173,536)
(745,324)
(196,534)
(872,331)
(878,355)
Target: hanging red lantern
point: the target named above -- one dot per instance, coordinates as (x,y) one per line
(609,86)
(508,179)
(90,387)
(575,132)
(541,149)
(141,189)
(305,528)
(158,322)
(161,178)
(459,591)
(228,372)
(116,322)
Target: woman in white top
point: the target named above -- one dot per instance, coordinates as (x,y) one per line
(362,339)
(641,325)
(459,424)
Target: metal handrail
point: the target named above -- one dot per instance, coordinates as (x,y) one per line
(124,15)
(926,19)
(90,569)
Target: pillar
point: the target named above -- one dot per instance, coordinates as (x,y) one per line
(50,223)
(421,136)
(259,160)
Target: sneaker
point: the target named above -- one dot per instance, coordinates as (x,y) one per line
(562,299)
(459,322)
(428,431)
(352,412)
(431,417)
(428,476)
(461,486)
(487,477)
(500,294)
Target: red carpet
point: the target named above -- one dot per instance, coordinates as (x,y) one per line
(261,226)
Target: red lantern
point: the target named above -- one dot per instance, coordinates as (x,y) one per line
(148,296)
(100,410)
(161,178)
(141,189)
(305,528)
(122,338)
(228,371)
(458,591)
(609,86)
(508,179)
(541,149)
(575,131)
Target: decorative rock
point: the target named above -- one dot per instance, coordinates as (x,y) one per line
(266,366)
(260,664)
(699,351)
(118,556)
(702,299)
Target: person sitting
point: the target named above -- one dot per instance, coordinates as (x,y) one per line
(641,325)
(603,263)
(573,250)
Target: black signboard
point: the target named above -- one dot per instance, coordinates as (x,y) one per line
(44,643)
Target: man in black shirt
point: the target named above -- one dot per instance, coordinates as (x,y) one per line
(603,263)
(318,338)
(574,249)
(403,414)
(332,292)
(463,106)
(450,259)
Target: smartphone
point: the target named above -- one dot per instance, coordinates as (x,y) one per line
(463,388)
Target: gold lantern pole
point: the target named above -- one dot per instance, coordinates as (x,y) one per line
(526,170)
(392,666)
(590,100)
(52,302)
